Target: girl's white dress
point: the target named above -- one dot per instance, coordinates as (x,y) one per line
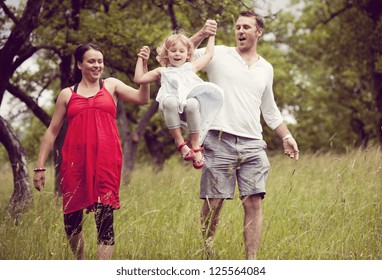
(183,83)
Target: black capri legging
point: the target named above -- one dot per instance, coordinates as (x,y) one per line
(104,219)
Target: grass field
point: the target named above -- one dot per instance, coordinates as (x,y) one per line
(322,207)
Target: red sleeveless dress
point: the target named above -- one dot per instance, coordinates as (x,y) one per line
(91,154)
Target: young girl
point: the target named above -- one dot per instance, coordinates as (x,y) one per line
(184,98)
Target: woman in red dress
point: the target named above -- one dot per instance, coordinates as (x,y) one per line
(91,156)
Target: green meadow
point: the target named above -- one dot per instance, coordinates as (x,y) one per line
(322,207)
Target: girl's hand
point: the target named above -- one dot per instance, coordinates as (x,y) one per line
(144,53)
(210,28)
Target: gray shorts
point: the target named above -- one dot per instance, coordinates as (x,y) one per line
(231,159)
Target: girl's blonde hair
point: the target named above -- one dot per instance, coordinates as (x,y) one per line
(171,40)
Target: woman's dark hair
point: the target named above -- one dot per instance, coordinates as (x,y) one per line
(79,57)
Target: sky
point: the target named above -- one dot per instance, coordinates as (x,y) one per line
(276,5)
(12,2)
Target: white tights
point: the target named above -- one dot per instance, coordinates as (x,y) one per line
(191,113)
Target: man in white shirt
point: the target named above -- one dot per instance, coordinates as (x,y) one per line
(234,146)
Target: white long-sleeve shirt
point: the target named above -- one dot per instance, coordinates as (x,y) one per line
(247,93)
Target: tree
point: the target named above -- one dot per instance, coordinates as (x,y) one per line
(336,48)
(12,54)
(22,195)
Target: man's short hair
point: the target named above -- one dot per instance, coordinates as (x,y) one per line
(251,13)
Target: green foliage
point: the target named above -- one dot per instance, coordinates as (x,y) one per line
(31,140)
(333,47)
(322,207)
(3,155)
(120,28)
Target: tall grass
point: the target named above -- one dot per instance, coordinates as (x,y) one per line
(323,206)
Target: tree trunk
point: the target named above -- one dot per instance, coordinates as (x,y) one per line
(130,139)
(359,128)
(129,146)
(156,149)
(22,194)
(374,10)
(378,89)
(10,56)
(153,144)
(19,35)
